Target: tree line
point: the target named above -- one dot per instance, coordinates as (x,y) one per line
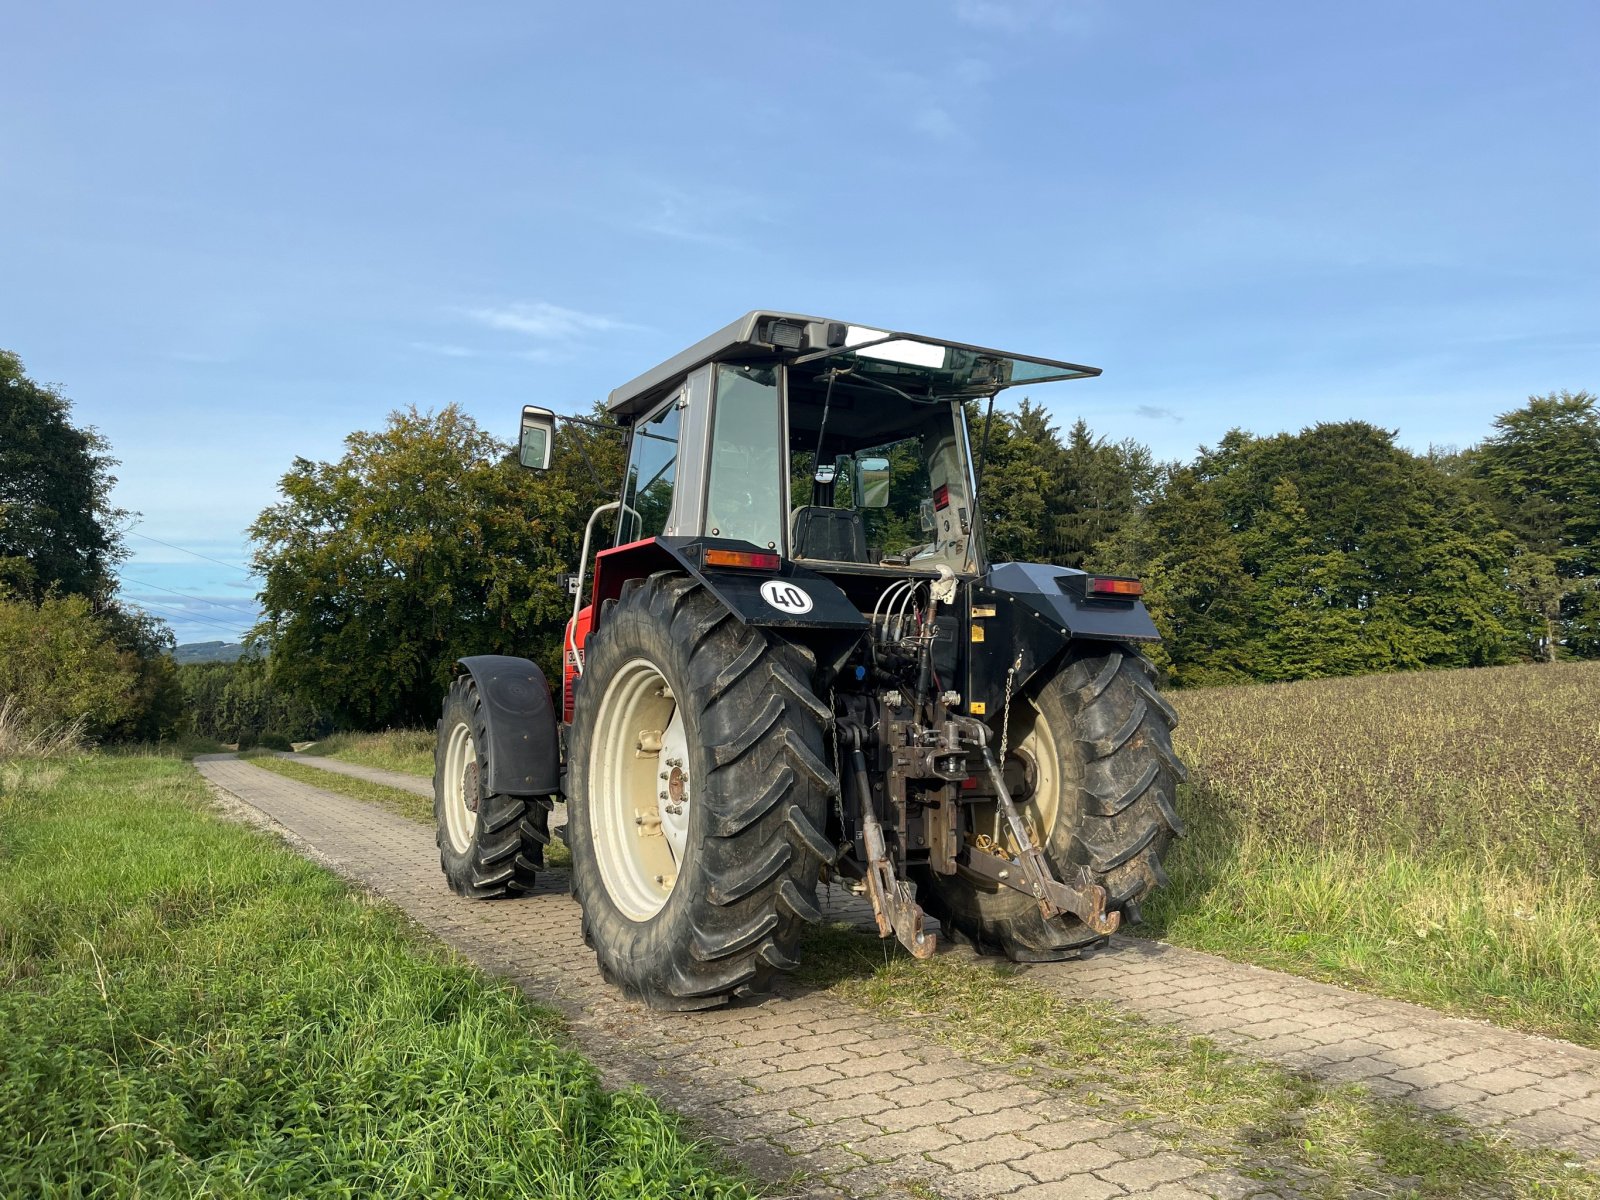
(1330,551)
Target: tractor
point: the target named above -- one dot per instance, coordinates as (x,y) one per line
(792,664)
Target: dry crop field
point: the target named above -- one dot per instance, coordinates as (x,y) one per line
(1433,835)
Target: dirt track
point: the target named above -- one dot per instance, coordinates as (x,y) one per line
(802,1082)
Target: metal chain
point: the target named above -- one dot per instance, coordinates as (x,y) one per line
(1005,714)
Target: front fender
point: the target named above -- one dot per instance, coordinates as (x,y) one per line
(524,748)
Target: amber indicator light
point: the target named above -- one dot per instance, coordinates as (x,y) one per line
(748,560)
(1100,585)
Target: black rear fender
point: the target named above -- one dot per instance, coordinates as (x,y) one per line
(524,748)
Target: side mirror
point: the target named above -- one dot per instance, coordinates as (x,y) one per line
(538,436)
(872,483)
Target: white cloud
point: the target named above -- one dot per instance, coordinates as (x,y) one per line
(548,321)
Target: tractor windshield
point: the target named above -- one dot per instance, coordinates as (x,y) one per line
(876,478)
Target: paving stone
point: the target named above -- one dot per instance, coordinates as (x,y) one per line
(993,1179)
(1141,1174)
(1071,1160)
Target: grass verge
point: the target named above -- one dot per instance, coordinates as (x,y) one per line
(405,804)
(191,1009)
(1433,836)
(406,750)
(1266,1122)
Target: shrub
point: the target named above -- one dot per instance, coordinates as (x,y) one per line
(273,740)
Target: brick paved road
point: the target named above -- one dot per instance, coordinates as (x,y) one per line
(805,1083)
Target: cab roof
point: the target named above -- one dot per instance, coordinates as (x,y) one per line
(763,335)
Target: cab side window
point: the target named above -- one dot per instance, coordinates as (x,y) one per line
(652,471)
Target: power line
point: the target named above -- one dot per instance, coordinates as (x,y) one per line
(197,599)
(196,553)
(170,613)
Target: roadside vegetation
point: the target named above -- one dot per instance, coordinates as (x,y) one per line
(1269,1123)
(1433,836)
(409,751)
(192,1009)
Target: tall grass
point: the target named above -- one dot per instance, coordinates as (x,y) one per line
(190,1009)
(409,751)
(1434,836)
(22,738)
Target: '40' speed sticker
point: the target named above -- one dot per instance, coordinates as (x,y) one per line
(785,596)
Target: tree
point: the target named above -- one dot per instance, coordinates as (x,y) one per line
(1541,472)
(57,523)
(423,543)
(59,662)
(1326,552)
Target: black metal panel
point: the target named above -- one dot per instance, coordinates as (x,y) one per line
(524,748)
(1056,594)
(1026,614)
(795,598)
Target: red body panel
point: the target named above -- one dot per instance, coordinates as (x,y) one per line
(612,568)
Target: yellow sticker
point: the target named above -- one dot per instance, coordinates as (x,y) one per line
(977,633)
(977,708)
(983,610)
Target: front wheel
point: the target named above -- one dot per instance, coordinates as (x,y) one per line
(490,844)
(698,786)
(1094,776)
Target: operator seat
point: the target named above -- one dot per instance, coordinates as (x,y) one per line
(836,534)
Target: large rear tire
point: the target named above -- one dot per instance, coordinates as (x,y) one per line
(698,785)
(490,845)
(1094,745)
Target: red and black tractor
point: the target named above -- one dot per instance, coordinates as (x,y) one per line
(794,662)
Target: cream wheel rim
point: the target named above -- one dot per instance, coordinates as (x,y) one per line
(460,788)
(640,790)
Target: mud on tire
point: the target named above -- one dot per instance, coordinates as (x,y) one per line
(1116,783)
(490,845)
(759,785)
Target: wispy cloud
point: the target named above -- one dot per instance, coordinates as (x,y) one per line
(551,322)
(1151,412)
(444,350)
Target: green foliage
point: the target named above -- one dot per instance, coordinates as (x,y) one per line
(1541,472)
(191,1009)
(425,542)
(273,740)
(1328,552)
(57,525)
(61,664)
(235,701)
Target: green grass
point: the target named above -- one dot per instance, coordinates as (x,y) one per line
(409,751)
(190,1009)
(1432,836)
(1325,1139)
(402,803)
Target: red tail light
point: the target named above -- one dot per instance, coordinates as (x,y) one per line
(1106,587)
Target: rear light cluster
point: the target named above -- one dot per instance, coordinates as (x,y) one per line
(1107,587)
(745,559)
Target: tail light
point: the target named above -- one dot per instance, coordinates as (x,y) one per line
(744,559)
(1108,587)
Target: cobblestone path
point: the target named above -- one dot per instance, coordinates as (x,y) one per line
(805,1086)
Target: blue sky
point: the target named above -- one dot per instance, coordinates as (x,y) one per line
(234,234)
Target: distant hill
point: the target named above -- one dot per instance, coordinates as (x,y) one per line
(202,652)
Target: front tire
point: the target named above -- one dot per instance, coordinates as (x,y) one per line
(490,844)
(1095,745)
(698,791)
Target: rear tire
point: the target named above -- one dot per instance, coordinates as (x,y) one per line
(692,896)
(490,844)
(1102,735)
